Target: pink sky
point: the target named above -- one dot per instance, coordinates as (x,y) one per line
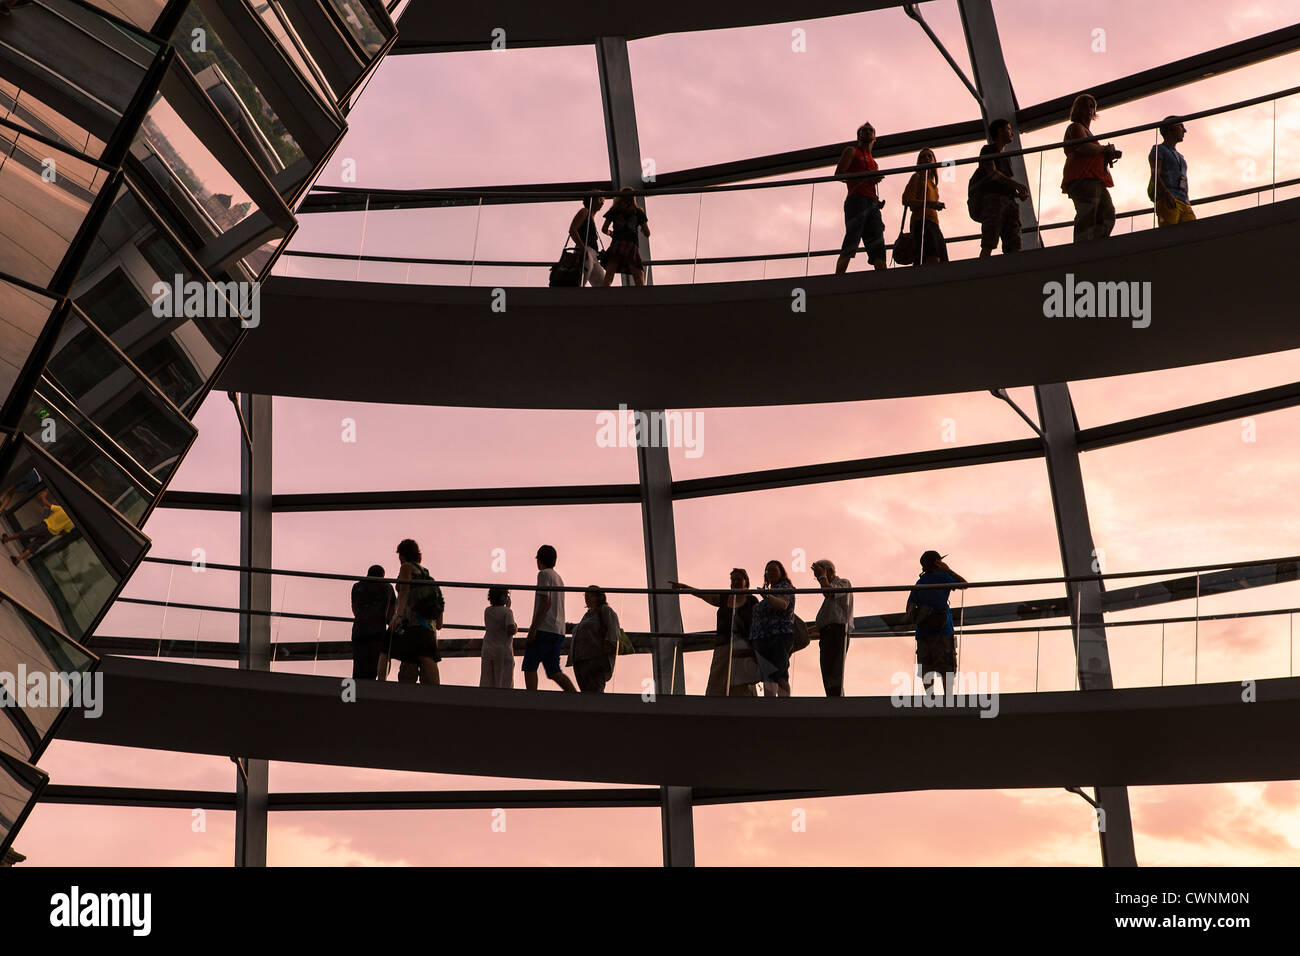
(534,115)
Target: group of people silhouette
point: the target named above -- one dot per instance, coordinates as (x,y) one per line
(757,629)
(993,198)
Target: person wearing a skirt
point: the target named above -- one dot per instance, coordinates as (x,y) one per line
(623,222)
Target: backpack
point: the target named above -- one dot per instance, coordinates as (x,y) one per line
(426,596)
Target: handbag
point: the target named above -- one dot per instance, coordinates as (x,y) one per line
(568,271)
(801,636)
(906,246)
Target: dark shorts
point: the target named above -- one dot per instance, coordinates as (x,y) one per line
(544,649)
(773,653)
(936,654)
(862,224)
(412,642)
(999,219)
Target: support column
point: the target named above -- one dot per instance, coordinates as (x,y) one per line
(1060,438)
(252,779)
(620,124)
(652,462)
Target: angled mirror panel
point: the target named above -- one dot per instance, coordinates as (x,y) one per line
(81,448)
(23,314)
(132,255)
(25,109)
(366,22)
(36,655)
(68,552)
(43,201)
(20,786)
(118,398)
(142,14)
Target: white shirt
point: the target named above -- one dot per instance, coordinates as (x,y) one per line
(553,620)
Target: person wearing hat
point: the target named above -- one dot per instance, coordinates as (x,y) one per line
(927,607)
(546,632)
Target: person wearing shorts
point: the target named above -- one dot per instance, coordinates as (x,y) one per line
(862,221)
(1169,176)
(936,650)
(545,637)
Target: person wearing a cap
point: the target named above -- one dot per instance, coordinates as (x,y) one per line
(546,632)
(936,650)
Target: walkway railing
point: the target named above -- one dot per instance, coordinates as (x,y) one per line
(1011,646)
(822,204)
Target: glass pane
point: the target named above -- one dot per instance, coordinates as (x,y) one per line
(128,258)
(28,641)
(38,218)
(362,19)
(235,94)
(117,399)
(19,784)
(22,106)
(141,13)
(23,315)
(68,437)
(271,16)
(67,551)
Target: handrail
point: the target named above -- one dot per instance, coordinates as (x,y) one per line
(480,585)
(565,196)
(722,260)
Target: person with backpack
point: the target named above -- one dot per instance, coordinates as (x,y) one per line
(373,603)
(546,632)
(417,618)
(993,197)
(927,608)
(595,643)
(772,630)
(1168,185)
(586,239)
(624,221)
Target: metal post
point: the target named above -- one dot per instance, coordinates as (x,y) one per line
(252,781)
(620,122)
(1060,431)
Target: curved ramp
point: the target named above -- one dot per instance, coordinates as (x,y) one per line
(1220,288)
(1135,737)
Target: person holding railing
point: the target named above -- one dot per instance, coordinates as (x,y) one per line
(595,643)
(624,223)
(414,638)
(546,632)
(586,237)
(833,623)
(927,608)
(497,664)
(1087,179)
(1168,186)
(772,630)
(994,195)
(862,222)
(373,603)
(733,672)
(921,196)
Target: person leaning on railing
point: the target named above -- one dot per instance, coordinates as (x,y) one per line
(1087,179)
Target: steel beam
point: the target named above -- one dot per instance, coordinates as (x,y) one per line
(252,781)
(1060,440)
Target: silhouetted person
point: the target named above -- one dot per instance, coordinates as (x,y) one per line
(921,196)
(418,618)
(624,221)
(1168,186)
(936,648)
(499,630)
(586,236)
(1087,178)
(862,222)
(733,672)
(772,630)
(834,622)
(595,643)
(55,522)
(546,631)
(995,194)
(373,604)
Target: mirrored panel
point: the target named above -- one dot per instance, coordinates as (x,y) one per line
(20,785)
(68,551)
(106,388)
(43,202)
(44,671)
(132,256)
(23,314)
(141,13)
(366,22)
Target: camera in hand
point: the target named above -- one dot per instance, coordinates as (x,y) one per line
(1113,155)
